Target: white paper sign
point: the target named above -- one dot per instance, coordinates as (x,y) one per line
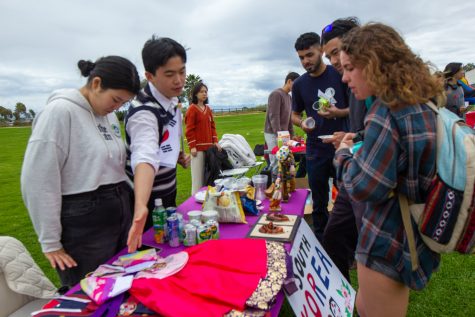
(322,289)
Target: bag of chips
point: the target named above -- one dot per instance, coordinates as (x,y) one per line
(226,203)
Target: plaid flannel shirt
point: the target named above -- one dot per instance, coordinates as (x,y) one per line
(398,154)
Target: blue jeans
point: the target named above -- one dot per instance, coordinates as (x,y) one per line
(95,226)
(341,234)
(319,171)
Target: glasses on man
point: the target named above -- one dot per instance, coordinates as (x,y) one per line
(328,28)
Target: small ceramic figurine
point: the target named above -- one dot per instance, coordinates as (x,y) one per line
(274,204)
(285,181)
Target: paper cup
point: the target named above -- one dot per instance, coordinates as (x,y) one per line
(309,123)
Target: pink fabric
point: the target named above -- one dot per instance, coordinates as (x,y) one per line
(219,276)
(295,206)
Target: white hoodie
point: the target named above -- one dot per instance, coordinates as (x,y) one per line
(71,150)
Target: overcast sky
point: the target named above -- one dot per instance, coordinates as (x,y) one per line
(242,49)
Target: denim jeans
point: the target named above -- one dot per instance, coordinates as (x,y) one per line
(271,141)
(319,171)
(95,226)
(341,234)
(302,163)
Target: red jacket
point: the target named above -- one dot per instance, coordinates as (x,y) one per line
(200,128)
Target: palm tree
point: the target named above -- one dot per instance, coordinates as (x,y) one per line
(191,81)
(20,108)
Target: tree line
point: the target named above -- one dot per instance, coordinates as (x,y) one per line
(185,97)
(21,113)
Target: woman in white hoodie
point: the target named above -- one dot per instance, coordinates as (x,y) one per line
(73,178)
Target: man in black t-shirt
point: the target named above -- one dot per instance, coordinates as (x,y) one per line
(320,82)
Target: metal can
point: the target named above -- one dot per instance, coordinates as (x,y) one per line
(202,234)
(170,211)
(213,226)
(181,224)
(173,233)
(189,235)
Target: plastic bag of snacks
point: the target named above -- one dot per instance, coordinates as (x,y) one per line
(226,203)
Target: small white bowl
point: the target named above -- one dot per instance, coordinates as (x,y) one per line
(194,214)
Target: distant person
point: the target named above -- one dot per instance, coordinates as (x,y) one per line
(153,133)
(468,90)
(73,178)
(200,134)
(398,155)
(341,233)
(321,81)
(453,72)
(278,115)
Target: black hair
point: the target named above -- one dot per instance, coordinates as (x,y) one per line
(158,50)
(338,28)
(115,72)
(292,76)
(451,69)
(196,90)
(306,40)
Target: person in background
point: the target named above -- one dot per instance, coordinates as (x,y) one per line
(153,133)
(321,81)
(200,133)
(398,155)
(341,234)
(453,72)
(73,178)
(278,115)
(468,90)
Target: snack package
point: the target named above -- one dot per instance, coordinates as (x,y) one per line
(282,138)
(226,203)
(250,192)
(249,205)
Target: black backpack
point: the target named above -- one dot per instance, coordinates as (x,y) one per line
(215,162)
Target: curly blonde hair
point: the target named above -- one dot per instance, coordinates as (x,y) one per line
(394,73)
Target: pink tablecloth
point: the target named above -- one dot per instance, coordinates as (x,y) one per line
(295,206)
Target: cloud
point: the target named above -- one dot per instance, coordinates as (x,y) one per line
(242,48)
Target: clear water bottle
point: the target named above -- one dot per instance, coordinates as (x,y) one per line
(159,218)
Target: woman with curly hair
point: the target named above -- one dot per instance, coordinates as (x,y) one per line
(397,156)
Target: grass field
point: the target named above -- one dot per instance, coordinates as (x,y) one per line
(450,293)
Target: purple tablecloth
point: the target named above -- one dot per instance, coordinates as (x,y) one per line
(295,206)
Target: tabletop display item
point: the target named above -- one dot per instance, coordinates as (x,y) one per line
(285,181)
(275,226)
(200,196)
(226,203)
